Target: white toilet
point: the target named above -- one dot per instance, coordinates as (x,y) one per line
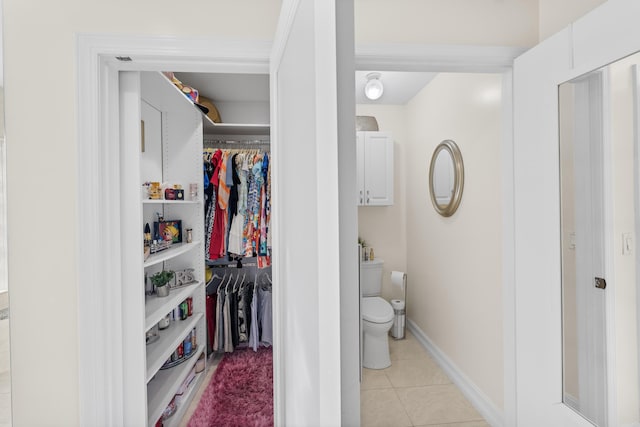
(377,316)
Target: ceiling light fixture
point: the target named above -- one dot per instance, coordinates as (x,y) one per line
(374,88)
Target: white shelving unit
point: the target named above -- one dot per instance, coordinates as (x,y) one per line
(156,306)
(171,152)
(174,251)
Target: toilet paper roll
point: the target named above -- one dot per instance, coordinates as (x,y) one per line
(398,279)
(397,304)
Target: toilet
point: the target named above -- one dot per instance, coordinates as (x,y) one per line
(377,316)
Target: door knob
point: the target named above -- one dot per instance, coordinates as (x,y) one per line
(600,283)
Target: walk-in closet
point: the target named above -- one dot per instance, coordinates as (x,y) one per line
(199,323)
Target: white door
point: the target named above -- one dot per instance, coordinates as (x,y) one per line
(306,131)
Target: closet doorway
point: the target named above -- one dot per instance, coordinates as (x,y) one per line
(307,323)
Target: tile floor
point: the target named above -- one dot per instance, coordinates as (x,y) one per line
(413,391)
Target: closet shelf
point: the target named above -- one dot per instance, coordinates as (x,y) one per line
(176,419)
(158,307)
(174,251)
(212,127)
(170,339)
(169,202)
(169,379)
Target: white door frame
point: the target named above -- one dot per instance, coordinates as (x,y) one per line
(473,59)
(100,328)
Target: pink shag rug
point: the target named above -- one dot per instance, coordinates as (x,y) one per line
(240,393)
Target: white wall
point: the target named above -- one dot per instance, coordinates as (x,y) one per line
(555,15)
(40,73)
(624,285)
(454,264)
(384,227)
(470,22)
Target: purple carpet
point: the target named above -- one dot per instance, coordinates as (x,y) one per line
(240,393)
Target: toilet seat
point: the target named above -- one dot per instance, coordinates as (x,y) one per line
(376,310)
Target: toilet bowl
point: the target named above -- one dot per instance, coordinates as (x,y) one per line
(377,319)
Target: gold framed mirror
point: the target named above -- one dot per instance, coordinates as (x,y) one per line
(446,178)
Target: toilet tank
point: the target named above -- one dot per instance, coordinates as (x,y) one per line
(371,277)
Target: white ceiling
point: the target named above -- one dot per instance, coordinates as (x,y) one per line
(399,87)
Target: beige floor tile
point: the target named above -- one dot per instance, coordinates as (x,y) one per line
(408,348)
(382,408)
(469,424)
(374,378)
(436,404)
(415,372)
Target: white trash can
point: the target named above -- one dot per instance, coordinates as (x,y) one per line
(397,330)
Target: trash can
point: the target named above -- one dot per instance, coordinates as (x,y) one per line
(397,330)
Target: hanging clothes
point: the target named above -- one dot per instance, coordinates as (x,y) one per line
(238,205)
(241,312)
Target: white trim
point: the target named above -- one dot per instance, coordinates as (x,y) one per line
(608,235)
(508,253)
(436,58)
(636,179)
(100,355)
(571,401)
(469,389)
(287,14)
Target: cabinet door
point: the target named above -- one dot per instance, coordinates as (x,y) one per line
(378,173)
(360,166)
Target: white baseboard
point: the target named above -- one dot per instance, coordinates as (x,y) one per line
(474,395)
(572,401)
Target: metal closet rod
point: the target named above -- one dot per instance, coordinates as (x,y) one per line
(250,142)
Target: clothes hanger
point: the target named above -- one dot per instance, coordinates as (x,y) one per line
(235,288)
(215,276)
(226,289)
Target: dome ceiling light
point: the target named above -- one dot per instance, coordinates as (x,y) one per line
(374,88)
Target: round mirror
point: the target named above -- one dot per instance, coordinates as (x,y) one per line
(446,178)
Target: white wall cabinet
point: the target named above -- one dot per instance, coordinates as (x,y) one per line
(375,168)
(170,152)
